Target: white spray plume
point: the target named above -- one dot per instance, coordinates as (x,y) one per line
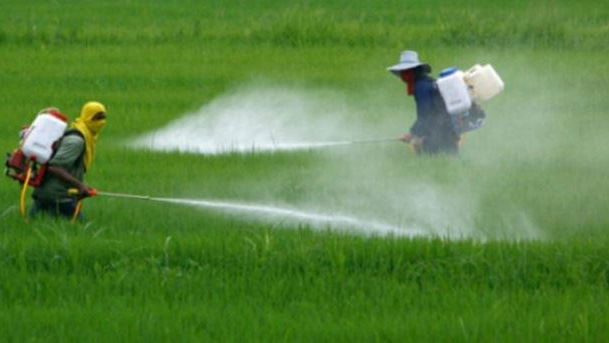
(258,119)
(386,201)
(295,217)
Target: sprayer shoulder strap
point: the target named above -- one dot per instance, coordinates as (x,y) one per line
(73,132)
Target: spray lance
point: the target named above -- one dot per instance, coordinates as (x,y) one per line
(365,141)
(354,142)
(411,144)
(94,192)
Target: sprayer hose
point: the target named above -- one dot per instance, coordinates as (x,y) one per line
(28,175)
(76,211)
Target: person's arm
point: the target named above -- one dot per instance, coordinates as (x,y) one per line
(424,104)
(64,175)
(70,150)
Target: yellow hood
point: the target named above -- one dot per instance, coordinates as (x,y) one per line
(90,128)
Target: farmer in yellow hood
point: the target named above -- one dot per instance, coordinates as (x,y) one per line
(73,157)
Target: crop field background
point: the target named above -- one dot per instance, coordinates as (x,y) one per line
(506,242)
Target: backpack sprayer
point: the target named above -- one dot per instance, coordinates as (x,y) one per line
(461,90)
(28,163)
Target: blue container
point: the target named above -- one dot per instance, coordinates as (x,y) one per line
(448,71)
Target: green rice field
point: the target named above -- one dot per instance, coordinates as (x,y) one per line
(353,242)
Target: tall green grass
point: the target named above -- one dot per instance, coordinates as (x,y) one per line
(498,24)
(244,282)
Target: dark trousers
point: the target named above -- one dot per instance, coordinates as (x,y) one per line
(444,148)
(64,208)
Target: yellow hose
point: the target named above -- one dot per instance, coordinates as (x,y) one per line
(28,175)
(76,211)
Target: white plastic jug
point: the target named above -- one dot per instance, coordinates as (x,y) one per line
(46,129)
(454,91)
(484,82)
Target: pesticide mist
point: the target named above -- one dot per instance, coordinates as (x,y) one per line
(297,217)
(380,189)
(254,119)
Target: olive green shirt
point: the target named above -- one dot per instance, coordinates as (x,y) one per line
(69,156)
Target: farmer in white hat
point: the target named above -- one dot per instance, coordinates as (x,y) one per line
(432,132)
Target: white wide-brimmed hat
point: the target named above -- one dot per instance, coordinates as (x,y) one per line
(408,59)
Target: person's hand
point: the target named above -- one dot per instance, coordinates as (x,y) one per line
(82,192)
(85,191)
(416,144)
(405,137)
(416,141)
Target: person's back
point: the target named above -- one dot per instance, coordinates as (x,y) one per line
(433,121)
(53,192)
